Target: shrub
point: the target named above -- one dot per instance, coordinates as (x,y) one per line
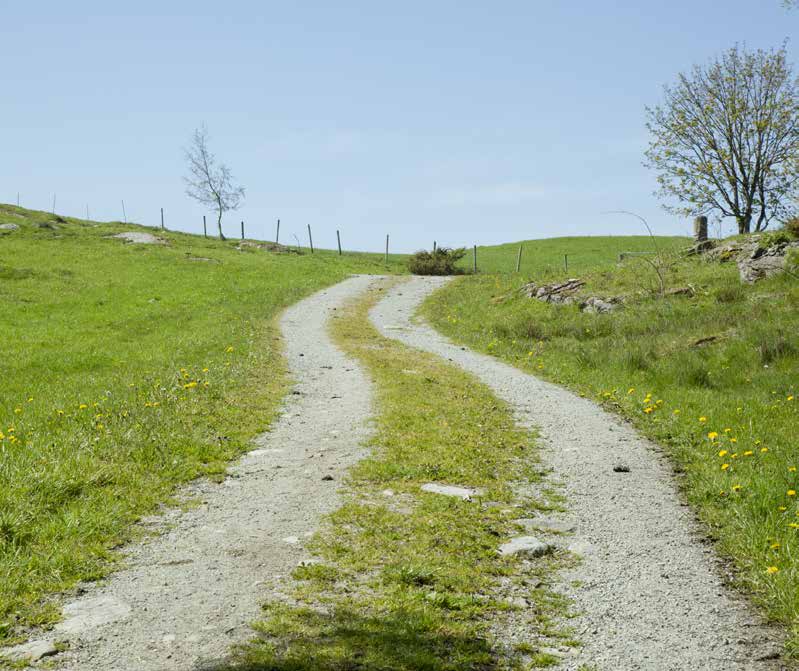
(730,294)
(439,262)
(792,227)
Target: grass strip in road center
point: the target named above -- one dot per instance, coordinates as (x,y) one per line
(407,579)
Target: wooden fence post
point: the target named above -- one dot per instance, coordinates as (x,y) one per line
(242,230)
(205,228)
(277,234)
(162,218)
(386,248)
(124,214)
(475,259)
(338,240)
(519,259)
(434,246)
(310,237)
(566,262)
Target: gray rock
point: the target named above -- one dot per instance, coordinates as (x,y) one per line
(527,546)
(90,613)
(451,490)
(9,227)
(139,238)
(32,651)
(597,304)
(764,262)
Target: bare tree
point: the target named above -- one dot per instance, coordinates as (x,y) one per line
(727,139)
(209,183)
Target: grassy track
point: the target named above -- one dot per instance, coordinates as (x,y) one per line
(546,257)
(713,377)
(410,580)
(125,369)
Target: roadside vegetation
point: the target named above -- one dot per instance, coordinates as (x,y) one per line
(404,579)
(126,369)
(710,372)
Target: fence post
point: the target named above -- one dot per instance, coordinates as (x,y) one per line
(205,228)
(162,218)
(310,237)
(434,246)
(386,248)
(566,262)
(53,203)
(338,240)
(124,214)
(242,230)
(277,234)
(519,259)
(475,259)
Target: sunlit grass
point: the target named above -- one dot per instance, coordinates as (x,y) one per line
(125,369)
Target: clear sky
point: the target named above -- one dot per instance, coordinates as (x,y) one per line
(464,122)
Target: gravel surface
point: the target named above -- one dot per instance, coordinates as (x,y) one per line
(650,592)
(190,593)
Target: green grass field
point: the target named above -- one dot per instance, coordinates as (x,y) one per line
(548,256)
(711,376)
(126,369)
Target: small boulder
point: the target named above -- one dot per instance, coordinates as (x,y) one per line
(9,227)
(526,546)
(139,238)
(599,305)
(32,651)
(451,490)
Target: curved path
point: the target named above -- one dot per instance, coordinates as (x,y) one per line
(192,592)
(650,595)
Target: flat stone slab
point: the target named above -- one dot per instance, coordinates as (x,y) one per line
(32,651)
(526,546)
(90,613)
(9,227)
(139,238)
(464,493)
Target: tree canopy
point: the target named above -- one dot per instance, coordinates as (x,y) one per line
(726,139)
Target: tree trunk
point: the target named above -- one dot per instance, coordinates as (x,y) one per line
(219,224)
(744,224)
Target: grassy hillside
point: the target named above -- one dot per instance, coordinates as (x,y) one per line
(126,369)
(546,257)
(712,376)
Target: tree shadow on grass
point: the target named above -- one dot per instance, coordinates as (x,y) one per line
(301,639)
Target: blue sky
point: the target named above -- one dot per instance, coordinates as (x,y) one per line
(464,122)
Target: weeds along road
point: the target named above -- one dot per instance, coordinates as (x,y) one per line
(648,588)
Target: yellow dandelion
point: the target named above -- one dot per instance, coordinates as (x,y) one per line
(771,570)
(722,453)
(631,390)
(702,420)
(748,453)
(649,409)
(82,406)
(791,492)
(792,469)
(782,509)
(229,349)
(763,450)
(724,467)
(713,435)
(676,411)
(737,488)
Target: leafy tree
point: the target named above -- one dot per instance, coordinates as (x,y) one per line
(726,139)
(209,183)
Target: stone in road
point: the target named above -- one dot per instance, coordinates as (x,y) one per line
(190,593)
(650,593)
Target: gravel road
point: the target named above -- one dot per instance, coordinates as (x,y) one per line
(190,593)
(650,593)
